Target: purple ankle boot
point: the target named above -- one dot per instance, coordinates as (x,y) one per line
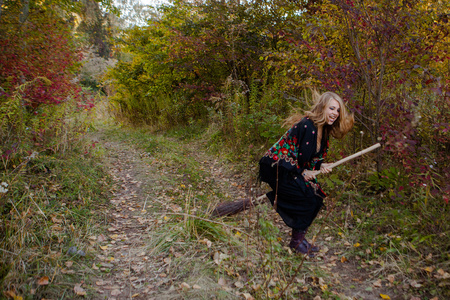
(311,247)
(297,242)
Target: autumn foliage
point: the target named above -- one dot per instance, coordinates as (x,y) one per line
(245,64)
(38,64)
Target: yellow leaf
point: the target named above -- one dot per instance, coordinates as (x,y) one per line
(356,245)
(343,259)
(383,296)
(12,295)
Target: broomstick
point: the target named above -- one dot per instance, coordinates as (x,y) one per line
(232,208)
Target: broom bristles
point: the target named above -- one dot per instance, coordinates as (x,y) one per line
(232,208)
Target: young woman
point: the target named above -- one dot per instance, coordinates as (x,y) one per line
(287,166)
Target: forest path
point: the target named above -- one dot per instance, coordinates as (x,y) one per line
(127,270)
(126,265)
(152,185)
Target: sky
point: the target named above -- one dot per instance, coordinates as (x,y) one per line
(152,2)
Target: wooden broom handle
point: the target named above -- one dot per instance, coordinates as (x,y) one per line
(346,159)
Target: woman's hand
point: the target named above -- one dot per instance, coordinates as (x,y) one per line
(325,168)
(309,175)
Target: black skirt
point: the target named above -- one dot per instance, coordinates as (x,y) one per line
(297,203)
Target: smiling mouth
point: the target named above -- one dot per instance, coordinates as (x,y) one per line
(332,119)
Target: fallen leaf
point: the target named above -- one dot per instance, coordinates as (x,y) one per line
(135,295)
(79,290)
(56,220)
(321,281)
(115,292)
(68,263)
(222,281)
(12,295)
(386,297)
(428,269)
(343,259)
(391,278)
(377,283)
(247,296)
(414,284)
(207,242)
(184,285)
(239,284)
(442,274)
(357,245)
(43,280)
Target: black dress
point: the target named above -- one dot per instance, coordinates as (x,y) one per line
(298,201)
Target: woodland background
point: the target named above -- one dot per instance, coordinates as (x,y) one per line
(235,69)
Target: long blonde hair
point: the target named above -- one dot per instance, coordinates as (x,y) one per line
(340,127)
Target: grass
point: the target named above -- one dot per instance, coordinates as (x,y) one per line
(49,208)
(44,214)
(383,238)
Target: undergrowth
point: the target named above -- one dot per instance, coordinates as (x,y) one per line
(48,212)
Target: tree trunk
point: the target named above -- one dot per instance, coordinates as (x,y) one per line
(1,5)
(25,10)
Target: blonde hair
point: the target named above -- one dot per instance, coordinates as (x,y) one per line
(340,127)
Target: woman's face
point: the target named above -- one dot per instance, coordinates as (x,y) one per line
(332,111)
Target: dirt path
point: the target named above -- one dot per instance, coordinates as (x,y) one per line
(127,269)
(145,197)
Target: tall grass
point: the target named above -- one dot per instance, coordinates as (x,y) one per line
(52,184)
